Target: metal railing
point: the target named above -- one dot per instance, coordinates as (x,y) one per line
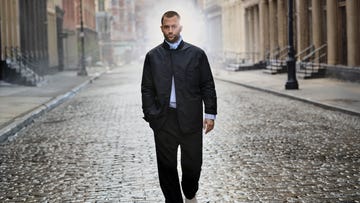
(312,55)
(312,61)
(23,63)
(305,51)
(239,57)
(279,54)
(276,57)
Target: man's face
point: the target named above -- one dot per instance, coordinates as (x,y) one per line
(171,28)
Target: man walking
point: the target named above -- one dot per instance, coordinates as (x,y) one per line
(176,82)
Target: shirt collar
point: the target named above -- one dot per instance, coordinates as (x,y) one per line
(175,44)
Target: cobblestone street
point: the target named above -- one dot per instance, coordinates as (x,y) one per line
(97,148)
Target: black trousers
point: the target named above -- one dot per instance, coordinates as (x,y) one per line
(167,141)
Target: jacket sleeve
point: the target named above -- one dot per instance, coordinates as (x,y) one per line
(148,92)
(207,86)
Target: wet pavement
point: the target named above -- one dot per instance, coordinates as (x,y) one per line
(96,148)
(21,104)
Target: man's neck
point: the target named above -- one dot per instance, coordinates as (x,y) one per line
(174,45)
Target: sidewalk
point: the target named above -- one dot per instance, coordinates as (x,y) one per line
(19,105)
(325,92)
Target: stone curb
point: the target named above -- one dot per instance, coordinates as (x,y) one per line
(319,104)
(10,130)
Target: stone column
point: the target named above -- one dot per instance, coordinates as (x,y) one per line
(256,34)
(30,29)
(2,29)
(225,27)
(316,24)
(352,32)
(247,29)
(273,26)
(302,26)
(239,31)
(41,35)
(264,28)
(241,27)
(232,27)
(251,29)
(331,15)
(45,40)
(282,23)
(10,25)
(16,24)
(7,24)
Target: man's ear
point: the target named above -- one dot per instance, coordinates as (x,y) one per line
(180,28)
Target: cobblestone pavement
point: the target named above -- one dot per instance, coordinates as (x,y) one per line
(265,148)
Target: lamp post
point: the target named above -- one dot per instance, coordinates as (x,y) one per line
(82,71)
(0,42)
(291,83)
(1,68)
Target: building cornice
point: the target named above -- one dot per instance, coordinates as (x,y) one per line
(250,3)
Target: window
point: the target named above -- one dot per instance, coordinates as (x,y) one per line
(101,5)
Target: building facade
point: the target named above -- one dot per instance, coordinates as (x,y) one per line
(24,40)
(89,25)
(103,28)
(9,29)
(70,37)
(54,26)
(234,48)
(43,36)
(214,17)
(128,28)
(72,33)
(34,34)
(326,32)
(123,29)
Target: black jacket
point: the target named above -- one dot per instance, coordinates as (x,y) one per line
(194,84)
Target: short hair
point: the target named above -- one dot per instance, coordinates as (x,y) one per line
(169,14)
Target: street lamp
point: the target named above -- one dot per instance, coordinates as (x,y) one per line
(1,68)
(291,83)
(82,71)
(0,44)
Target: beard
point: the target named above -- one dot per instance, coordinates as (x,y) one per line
(172,38)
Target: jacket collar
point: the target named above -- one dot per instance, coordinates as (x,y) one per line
(166,46)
